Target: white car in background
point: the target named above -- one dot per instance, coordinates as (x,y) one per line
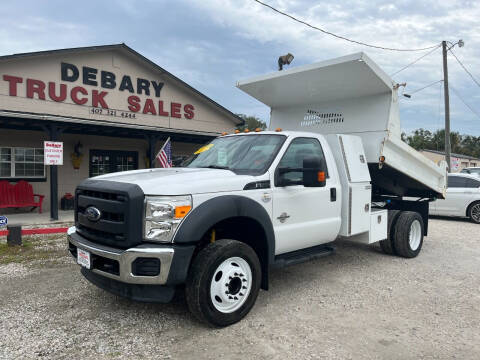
(463,198)
(471,171)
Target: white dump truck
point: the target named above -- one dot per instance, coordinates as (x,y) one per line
(332,166)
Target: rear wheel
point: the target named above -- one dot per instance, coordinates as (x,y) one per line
(474,212)
(408,235)
(387,244)
(223,282)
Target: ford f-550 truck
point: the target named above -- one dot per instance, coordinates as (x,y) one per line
(333,166)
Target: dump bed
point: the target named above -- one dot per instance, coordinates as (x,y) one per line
(351,95)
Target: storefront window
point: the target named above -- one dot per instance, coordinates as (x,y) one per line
(21,163)
(109,161)
(5,162)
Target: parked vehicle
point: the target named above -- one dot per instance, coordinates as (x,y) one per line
(462,199)
(248,202)
(471,171)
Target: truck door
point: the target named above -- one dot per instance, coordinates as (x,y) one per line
(303,216)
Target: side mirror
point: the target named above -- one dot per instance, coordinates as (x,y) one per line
(314,172)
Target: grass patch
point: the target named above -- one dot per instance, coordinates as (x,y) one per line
(46,249)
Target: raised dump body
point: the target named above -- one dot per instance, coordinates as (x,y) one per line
(351,95)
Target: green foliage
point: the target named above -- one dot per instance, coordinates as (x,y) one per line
(422,139)
(251,123)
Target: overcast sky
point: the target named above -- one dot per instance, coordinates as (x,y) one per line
(211,44)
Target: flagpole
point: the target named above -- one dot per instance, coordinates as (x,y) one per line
(165,143)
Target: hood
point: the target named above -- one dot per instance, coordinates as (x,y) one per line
(181,181)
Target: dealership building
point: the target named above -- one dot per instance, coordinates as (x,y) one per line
(110,106)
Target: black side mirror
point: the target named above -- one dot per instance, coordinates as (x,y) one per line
(314,172)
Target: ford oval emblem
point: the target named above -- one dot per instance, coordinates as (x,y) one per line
(92,213)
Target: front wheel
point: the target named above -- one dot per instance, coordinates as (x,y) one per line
(223,282)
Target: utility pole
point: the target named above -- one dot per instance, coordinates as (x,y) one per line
(447,106)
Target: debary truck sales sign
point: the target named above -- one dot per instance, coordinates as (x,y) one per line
(105,80)
(108,86)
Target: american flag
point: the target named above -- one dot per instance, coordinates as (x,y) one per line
(164,156)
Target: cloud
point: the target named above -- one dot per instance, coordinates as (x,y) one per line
(34,33)
(211,44)
(411,24)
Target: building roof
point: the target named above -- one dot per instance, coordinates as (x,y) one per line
(452,154)
(123,47)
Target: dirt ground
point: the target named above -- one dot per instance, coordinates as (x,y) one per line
(356,304)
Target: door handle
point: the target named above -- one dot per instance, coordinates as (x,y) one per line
(283,217)
(333,194)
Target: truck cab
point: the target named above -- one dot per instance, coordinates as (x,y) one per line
(247,202)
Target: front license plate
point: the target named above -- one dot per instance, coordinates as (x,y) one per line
(83,258)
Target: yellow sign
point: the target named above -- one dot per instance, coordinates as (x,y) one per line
(203,148)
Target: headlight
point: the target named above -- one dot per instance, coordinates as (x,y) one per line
(163,214)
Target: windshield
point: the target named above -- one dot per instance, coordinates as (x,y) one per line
(473,171)
(248,154)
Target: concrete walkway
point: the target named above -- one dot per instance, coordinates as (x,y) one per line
(34,218)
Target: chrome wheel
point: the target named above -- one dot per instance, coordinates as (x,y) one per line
(475,213)
(231,284)
(415,235)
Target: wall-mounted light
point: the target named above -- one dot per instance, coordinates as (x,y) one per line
(284,60)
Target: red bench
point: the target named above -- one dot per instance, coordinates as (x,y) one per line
(19,195)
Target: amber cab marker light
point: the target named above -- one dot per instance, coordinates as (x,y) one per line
(258,130)
(181,211)
(382,159)
(246,130)
(224,133)
(321,176)
(237,131)
(278,129)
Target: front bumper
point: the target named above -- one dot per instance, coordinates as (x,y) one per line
(174,260)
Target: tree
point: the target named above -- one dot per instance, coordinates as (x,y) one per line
(422,139)
(471,145)
(251,123)
(439,141)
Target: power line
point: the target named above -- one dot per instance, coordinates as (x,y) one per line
(426,86)
(464,102)
(339,36)
(464,68)
(414,62)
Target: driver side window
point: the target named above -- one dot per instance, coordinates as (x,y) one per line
(297,151)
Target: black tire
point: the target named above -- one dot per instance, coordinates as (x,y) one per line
(473,211)
(387,244)
(200,276)
(402,229)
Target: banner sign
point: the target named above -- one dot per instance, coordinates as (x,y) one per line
(97,91)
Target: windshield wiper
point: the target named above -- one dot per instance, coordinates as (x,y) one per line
(215,167)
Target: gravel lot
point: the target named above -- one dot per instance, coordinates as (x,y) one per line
(356,304)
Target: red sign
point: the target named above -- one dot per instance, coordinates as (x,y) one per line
(38,89)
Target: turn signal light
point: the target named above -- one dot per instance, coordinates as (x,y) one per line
(182,211)
(382,159)
(321,176)
(278,129)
